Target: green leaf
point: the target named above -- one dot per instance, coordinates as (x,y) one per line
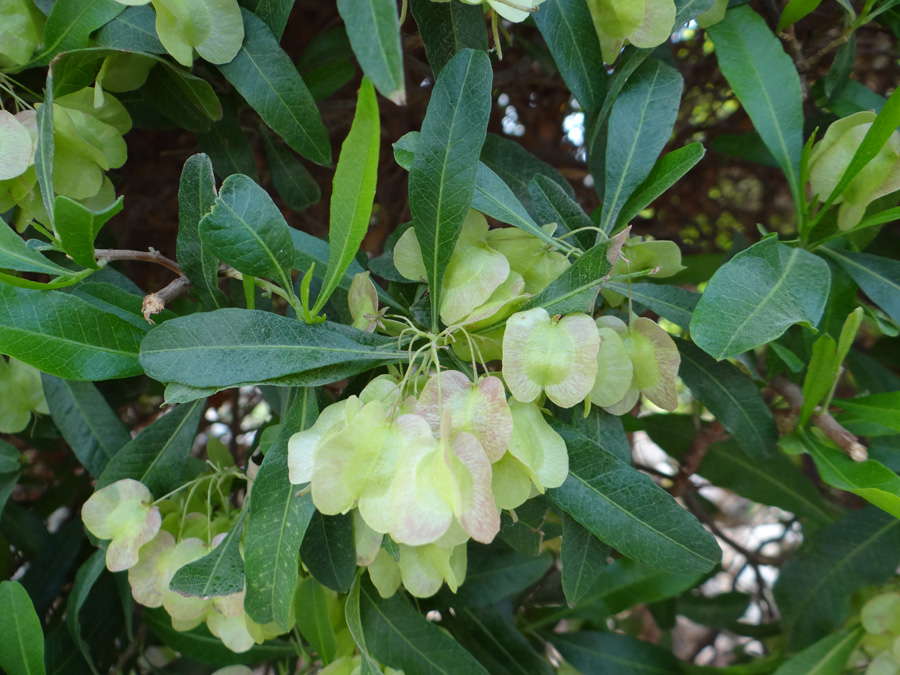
(91,428)
(70,24)
(605,430)
(820,375)
(668,170)
(448,28)
(829,655)
(568,31)
(196,197)
(398,636)
(777,481)
(328,550)
(313,620)
(576,289)
(158,454)
(15,255)
(22,647)
(374,31)
(231,347)
(267,79)
(247,231)
(134,29)
(202,646)
(793,12)
(732,397)
(188,101)
(274,12)
(685,10)
(44,147)
(878,277)
(494,573)
(614,654)
(295,185)
(228,147)
(670,302)
(718,611)
(354,191)
(354,624)
(9,458)
(551,204)
(85,579)
(66,336)
(790,285)
(640,123)
(766,83)
(220,572)
(883,409)
(627,510)
(583,557)
(815,586)
(277,521)
(77,226)
(870,479)
(442,176)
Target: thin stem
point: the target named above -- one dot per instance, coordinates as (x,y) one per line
(145,256)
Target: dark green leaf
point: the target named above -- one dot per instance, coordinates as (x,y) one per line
(354,191)
(583,557)
(605,430)
(551,204)
(66,336)
(718,610)
(614,654)
(398,636)
(670,302)
(576,289)
(878,277)
(196,197)
(368,665)
(229,347)
(71,22)
(732,397)
(228,147)
(15,255)
(91,428)
(569,33)
(374,31)
(766,83)
(828,656)
(494,573)
(9,458)
(790,285)
(188,101)
(134,29)
(85,579)
(52,567)
(201,645)
(442,176)
(264,75)
(814,588)
(277,521)
(77,226)
(640,123)
(447,28)
(274,12)
(296,186)
(668,170)
(328,550)
(158,454)
(220,572)
(313,620)
(628,511)
(247,231)
(22,647)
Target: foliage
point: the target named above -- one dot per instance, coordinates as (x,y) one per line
(429,465)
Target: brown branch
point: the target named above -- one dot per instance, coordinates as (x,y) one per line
(843,438)
(154,303)
(145,256)
(694,456)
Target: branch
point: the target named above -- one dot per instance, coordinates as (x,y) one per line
(846,441)
(693,457)
(154,303)
(146,256)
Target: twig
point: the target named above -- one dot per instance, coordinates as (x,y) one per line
(846,441)
(154,303)
(146,256)
(694,456)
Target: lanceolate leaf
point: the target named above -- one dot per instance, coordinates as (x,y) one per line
(44,148)
(91,428)
(447,28)
(158,454)
(815,586)
(77,226)
(196,197)
(313,620)
(296,186)
(264,75)
(15,255)
(228,147)
(220,572)
(71,22)
(670,302)
(374,31)
(22,648)
(277,521)
(640,123)
(583,556)
(85,579)
(442,177)
(731,397)
(790,285)
(398,636)
(881,408)
(576,289)
(66,336)
(878,277)
(354,191)
(551,204)
(328,550)
(614,654)
(494,573)
(274,12)
(235,346)
(134,29)
(828,655)
(628,511)
(766,83)
(569,33)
